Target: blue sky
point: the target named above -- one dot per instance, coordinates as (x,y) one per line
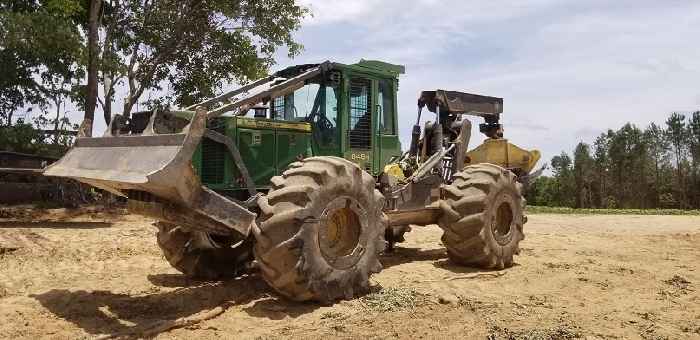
(567,69)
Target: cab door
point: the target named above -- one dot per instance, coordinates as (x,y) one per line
(361,121)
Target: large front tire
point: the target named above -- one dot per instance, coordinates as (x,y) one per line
(321,230)
(483,217)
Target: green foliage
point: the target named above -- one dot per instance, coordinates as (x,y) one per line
(40,50)
(585,211)
(193,49)
(27,138)
(629,168)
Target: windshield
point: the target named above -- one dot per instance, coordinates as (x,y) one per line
(316,103)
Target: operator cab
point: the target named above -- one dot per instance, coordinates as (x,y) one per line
(351,110)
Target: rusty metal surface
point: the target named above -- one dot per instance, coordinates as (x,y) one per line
(157,164)
(16,160)
(425,216)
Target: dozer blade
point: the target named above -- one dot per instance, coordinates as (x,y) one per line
(154,172)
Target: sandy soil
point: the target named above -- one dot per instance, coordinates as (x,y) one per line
(71,276)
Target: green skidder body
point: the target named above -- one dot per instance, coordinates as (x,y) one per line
(349,111)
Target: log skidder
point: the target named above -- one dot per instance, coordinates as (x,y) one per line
(483,217)
(209,173)
(321,230)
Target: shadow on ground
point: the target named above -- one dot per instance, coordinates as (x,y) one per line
(105,312)
(55,225)
(407,255)
(437,257)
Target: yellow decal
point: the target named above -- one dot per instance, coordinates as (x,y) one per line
(272,125)
(360,156)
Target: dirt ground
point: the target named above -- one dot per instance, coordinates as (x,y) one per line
(65,275)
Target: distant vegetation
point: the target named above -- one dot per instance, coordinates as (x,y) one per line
(654,168)
(583,211)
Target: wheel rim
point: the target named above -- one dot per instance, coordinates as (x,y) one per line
(340,232)
(503,219)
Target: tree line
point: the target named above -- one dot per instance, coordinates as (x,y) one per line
(79,52)
(632,168)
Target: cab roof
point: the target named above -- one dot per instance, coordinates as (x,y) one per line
(375,67)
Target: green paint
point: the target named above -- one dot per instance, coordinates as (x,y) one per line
(312,121)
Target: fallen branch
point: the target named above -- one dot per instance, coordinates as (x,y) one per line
(475,275)
(166,325)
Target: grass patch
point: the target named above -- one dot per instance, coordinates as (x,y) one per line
(390,299)
(335,316)
(531,209)
(562,332)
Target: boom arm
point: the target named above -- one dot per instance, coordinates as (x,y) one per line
(276,90)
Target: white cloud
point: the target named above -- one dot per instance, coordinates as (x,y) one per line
(567,69)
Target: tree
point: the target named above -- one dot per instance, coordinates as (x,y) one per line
(189,48)
(601,147)
(658,150)
(40,50)
(676,136)
(93,61)
(583,175)
(564,181)
(542,192)
(694,148)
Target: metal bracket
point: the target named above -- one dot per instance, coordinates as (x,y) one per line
(223,139)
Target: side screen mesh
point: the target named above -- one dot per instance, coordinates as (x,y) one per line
(278,108)
(214,154)
(360,113)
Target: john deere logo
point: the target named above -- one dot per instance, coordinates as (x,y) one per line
(496,106)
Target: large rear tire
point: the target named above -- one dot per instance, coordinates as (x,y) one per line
(203,256)
(483,217)
(321,230)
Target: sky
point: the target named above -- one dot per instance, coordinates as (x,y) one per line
(568,70)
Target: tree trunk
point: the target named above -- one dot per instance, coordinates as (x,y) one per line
(55,128)
(93,61)
(657,200)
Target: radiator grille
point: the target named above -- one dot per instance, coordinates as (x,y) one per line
(213,154)
(360,113)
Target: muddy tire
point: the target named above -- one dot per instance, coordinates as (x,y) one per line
(321,230)
(202,256)
(394,235)
(483,217)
